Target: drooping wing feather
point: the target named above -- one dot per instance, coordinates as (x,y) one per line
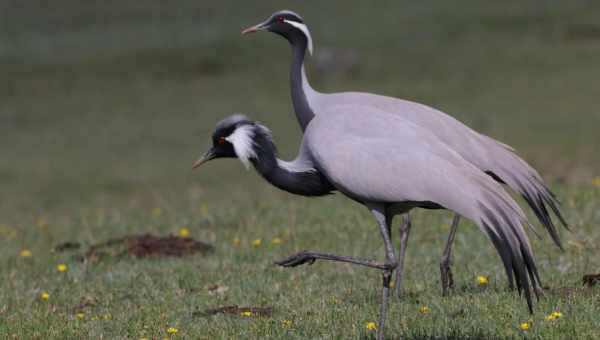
(377,157)
(495,158)
(521,177)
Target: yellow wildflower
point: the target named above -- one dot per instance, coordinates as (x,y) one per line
(276,241)
(236,241)
(44,296)
(25,253)
(61,267)
(172,330)
(257,242)
(80,316)
(524,326)
(596,182)
(286,323)
(246,313)
(107,316)
(184,232)
(424,310)
(482,280)
(553,316)
(371,326)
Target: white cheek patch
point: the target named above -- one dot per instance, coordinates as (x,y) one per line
(304,29)
(265,130)
(242,142)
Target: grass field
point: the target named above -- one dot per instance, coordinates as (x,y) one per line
(104,105)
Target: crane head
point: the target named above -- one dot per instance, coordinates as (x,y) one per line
(286,24)
(233,137)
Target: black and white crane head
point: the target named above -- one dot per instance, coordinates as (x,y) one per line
(251,142)
(233,137)
(287,24)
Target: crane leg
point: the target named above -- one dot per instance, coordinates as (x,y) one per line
(404,231)
(446,261)
(388,267)
(390,258)
(309,257)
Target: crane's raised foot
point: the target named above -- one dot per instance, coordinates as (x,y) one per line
(298,259)
(309,257)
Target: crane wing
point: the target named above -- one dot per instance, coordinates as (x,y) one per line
(489,155)
(386,159)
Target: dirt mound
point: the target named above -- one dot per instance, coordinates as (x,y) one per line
(140,246)
(146,245)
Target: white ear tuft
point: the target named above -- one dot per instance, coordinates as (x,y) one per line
(304,29)
(243,143)
(265,130)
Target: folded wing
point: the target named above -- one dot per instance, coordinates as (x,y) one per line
(379,158)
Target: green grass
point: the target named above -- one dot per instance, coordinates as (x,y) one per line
(103,107)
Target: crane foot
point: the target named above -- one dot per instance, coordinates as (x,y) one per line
(309,257)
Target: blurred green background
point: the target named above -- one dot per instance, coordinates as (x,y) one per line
(105,104)
(118,97)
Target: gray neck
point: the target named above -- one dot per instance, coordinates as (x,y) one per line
(301,89)
(297,177)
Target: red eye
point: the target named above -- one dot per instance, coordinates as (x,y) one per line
(280,19)
(221,140)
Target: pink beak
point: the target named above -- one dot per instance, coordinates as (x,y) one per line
(251,29)
(255,28)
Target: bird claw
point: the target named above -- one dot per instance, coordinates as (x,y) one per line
(297,260)
(310,257)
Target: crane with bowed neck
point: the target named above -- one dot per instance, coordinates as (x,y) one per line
(389,174)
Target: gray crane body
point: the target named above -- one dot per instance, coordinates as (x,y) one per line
(390,165)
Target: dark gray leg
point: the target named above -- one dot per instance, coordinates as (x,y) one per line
(404,231)
(390,258)
(446,262)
